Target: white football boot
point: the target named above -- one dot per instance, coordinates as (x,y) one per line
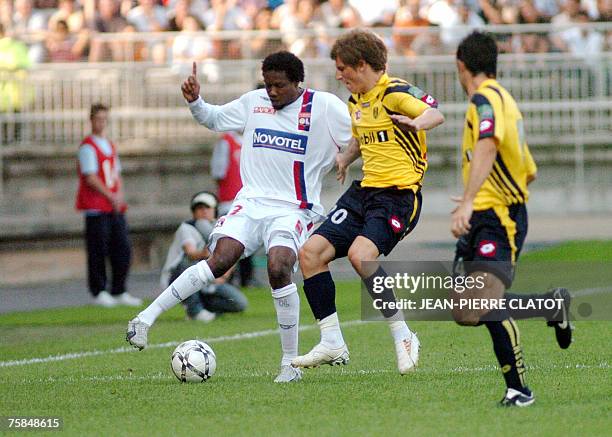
(289,374)
(321,354)
(407,351)
(136,334)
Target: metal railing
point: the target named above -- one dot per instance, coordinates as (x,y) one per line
(147,105)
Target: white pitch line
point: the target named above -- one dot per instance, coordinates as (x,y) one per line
(223,338)
(124,349)
(590,291)
(343,371)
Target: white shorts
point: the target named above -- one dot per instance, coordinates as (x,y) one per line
(255,223)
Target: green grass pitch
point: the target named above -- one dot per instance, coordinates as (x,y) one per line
(116,391)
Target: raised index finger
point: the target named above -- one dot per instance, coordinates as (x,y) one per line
(194,70)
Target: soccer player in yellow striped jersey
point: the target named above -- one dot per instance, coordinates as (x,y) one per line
(493,113)
(389,120)
(491,217)
(392,157)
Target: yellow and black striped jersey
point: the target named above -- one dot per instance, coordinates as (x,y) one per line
(391,157)
(493,113)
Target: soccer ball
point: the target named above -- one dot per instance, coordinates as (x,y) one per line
(193,361)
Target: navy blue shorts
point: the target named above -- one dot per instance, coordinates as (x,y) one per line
(494,241)
(382,215)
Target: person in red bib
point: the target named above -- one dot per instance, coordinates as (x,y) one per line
(225,169)
(100,197)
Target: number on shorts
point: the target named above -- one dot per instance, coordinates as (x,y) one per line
(236,210)
(338,216)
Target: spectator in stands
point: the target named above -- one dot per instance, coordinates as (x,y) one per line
(501,12)
(456,21)
(108,19)
(569,11)
(546,9)
(71,14)
(101,198)
(148,17)
(187,248)
(64,47)
(339,14)
(535,42)
(189,46)
(252,7)
(263,44)
(528,13)
(33,23)
(490,11)
(582,41)
(27,20)
(135,50)
(561,32)
(224,15)
(193,7)
(177,15)
(604,14)
(6,15)
(376,12)
(604,10)
(225,169)
(408,17)
(532,42)
(14,61)
(291,18)
(182,9)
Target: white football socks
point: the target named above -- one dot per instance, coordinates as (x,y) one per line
(331,335)
(399,330)
(287,305)
(190,281)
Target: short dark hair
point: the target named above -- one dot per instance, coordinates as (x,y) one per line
(95,108)
(361,45)
(287,62)
(478,51)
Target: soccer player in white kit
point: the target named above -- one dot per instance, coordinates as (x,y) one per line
(291,138)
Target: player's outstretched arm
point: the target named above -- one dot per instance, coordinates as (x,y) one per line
(430,118)
(229,117)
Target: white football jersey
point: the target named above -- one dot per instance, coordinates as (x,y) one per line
(285,153)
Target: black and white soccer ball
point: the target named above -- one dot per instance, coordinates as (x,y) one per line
(193,361)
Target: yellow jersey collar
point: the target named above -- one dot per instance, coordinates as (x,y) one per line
(486,83)
(384,79)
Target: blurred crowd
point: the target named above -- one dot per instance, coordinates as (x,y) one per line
(73,30)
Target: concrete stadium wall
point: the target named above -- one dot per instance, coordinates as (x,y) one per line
(41,233)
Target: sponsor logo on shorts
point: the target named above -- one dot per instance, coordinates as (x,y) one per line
(487,248)
(395,223)
(278,140)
